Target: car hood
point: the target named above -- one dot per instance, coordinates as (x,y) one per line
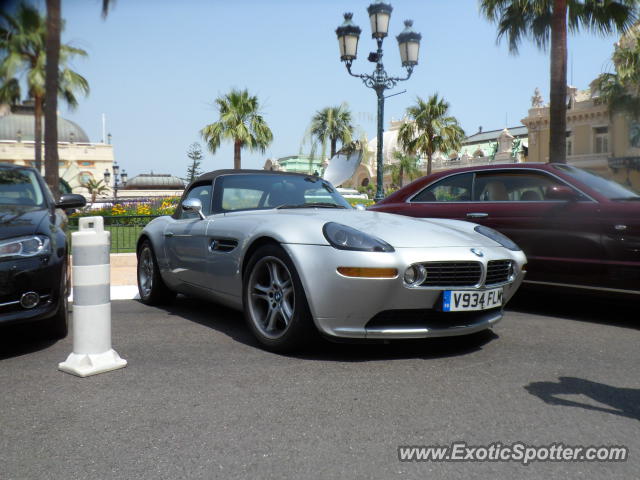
(18,220)
(305,226)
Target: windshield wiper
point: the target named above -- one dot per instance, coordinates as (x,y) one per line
(627,199)
(311,205)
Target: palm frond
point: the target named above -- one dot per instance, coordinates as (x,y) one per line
(429,128)
(331,125)
(23,45)
(239,120)
(520,19)
(10,91)
(602,17)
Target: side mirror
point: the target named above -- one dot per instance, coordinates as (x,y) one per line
(71,200)
(562,193)
(193,205)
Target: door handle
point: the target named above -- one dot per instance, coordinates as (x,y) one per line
(477,215)
(168,234)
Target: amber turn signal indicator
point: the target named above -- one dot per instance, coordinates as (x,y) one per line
(362,272)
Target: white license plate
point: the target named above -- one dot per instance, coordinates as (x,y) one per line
(465,300)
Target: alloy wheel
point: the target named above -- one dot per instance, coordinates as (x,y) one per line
(271,297)
(145,272)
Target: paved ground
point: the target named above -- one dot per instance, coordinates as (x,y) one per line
(200,400)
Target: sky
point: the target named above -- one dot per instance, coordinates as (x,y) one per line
(155,68)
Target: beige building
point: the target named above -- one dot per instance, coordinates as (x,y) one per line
(481,148)
(596,140)
(152,185)
(80,159)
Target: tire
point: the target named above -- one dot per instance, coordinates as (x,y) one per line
(57,327)
(275,305)
(151,287)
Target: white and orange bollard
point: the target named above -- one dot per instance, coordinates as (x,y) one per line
(92,352)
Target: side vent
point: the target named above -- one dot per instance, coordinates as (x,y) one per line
(222,245)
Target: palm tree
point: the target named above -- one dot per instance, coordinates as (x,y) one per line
(95,188)
(54,26)
(241,122)
(10,92)
(621,90)
(332,124)
(406,165)
(51,158)
(618,94)
(429,129)
(23,43)
(544,20)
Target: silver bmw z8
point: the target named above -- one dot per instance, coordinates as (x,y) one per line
(290,252)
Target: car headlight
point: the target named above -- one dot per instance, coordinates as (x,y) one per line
(25,246)
(347,238)
(496,236)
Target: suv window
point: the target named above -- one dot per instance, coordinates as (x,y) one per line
(456,188)
(202,193)
(514,186)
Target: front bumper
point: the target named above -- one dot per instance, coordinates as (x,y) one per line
(385,308)
(42,275)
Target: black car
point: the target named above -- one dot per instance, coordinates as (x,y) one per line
(34,252)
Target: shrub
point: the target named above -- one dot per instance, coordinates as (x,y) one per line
(362,201)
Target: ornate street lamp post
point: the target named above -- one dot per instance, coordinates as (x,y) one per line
(118,179)
(409,43)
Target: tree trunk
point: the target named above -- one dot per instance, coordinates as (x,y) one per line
(237,146)
(38,132)
(558,91)
(400,174)
(334,142)
(51,160)
(429,155)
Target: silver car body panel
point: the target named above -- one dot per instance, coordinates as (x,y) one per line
(206,258)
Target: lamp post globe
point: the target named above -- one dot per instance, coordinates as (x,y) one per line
(409,44)
(379,15)
(348,35)
(118,179)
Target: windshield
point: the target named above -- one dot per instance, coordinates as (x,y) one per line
(604,186)
(265,191)
(20,187)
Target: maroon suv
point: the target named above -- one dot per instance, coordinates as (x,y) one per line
(578,229)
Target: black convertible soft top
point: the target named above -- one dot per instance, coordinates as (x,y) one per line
(230,171)
(210,178)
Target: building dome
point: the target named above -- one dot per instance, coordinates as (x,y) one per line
(155,181)
(19,125)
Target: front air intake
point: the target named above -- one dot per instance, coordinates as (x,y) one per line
(452,274)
